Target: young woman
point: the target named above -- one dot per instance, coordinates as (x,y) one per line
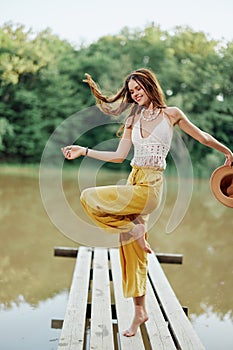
(149,128)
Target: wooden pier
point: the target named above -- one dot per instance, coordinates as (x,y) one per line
(97,313)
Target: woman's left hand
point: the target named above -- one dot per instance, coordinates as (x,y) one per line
(229,159)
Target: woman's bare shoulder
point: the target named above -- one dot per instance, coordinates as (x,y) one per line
(174,114)
(131,120)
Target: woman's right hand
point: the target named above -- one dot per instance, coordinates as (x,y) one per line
(73,151)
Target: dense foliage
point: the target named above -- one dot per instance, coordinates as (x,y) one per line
(41,84)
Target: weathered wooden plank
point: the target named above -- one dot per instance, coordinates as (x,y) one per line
(72,334)
(181,327)
(66,252)
(167,258)
(101,337)
(56,324)
(157,327)
(124,307)
(101,333)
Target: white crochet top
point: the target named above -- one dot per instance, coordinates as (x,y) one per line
(151,151)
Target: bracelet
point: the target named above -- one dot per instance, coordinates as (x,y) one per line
(86,153)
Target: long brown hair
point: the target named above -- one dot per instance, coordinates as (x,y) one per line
(145,78)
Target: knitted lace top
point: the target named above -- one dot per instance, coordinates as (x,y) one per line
(152,151)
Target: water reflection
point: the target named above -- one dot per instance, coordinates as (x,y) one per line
(205,238)
(30,276)
(27,266)
(30,326)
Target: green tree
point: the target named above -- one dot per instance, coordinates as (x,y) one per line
(37,93)
(41,85)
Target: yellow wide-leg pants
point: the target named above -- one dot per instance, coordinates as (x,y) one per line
(117,209)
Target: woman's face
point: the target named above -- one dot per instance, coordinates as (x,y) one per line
(138,94)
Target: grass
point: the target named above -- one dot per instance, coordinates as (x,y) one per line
(19,169)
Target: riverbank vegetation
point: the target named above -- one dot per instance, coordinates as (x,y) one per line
(41,85)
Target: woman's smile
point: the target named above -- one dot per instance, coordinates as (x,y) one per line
(138,93)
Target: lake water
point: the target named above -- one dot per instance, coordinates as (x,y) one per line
(34,284)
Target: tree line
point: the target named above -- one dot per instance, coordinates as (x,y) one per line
(41,84)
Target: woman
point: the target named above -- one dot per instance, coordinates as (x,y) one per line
(149,128)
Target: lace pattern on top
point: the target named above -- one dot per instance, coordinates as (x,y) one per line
(150,154)
(152,151)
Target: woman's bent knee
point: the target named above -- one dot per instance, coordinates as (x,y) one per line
(84,195)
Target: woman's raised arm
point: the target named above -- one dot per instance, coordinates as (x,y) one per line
(203,137)
(118,156)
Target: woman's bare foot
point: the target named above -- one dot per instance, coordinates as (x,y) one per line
(144,244)
(139,318)
(138,233)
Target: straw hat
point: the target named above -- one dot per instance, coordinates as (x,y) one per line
(221,184)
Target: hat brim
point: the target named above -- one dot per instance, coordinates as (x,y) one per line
(221,184)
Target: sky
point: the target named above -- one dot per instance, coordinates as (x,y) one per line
(85,21)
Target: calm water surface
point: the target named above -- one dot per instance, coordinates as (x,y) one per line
(34,284)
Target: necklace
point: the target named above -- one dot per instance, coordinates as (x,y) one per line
(152,115)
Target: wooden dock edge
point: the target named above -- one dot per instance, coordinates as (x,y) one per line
(165,258)
(97,313)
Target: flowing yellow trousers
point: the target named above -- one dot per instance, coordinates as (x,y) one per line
(117,209)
